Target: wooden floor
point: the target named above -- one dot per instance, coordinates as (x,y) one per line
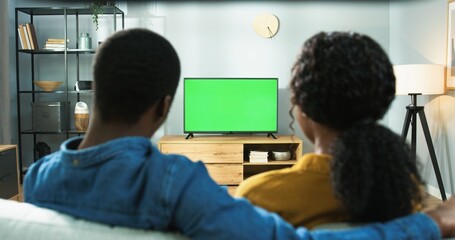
(430,201)
(19,197)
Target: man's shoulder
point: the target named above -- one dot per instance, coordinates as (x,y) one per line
(44,161)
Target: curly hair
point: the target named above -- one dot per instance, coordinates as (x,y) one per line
(345,81)
(133,69)
(373,174)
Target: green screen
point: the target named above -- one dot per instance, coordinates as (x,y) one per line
(230,105)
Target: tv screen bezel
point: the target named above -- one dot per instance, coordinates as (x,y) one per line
(235,79)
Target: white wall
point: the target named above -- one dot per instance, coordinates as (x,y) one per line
(418,36)
(217,40)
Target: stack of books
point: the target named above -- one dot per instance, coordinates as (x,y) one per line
(55,43)
(27,36)
(258,156)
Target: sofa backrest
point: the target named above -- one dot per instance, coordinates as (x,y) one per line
(26,221)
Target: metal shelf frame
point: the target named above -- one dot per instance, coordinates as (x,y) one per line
(65,12)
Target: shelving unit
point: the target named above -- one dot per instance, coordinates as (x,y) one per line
(226,157)
(27,70)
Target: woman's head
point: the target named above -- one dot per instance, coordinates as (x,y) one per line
(345,82)
(339,70)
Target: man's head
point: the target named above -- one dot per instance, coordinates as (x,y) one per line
(133,70)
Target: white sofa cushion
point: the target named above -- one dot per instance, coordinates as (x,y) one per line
(26,221)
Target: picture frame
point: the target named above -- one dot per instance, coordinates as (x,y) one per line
(450,62)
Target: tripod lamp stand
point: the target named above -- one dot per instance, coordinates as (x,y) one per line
(414,80)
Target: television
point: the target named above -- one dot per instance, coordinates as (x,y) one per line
(230,105)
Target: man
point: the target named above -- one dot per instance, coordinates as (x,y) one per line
(114,175)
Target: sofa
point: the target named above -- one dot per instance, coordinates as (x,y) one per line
(26,221)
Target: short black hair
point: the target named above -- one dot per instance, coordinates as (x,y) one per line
(345,81)
(133,70)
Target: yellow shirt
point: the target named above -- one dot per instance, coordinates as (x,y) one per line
(302,194)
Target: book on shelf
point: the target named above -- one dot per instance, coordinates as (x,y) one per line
(258,160)
(32,35)
(52,45)
(27,36)
(55,43)
(22,37)
(258,156)
(259,153)
(20,33)
(57,40)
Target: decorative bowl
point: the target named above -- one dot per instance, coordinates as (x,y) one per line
(48,85)
(281,156)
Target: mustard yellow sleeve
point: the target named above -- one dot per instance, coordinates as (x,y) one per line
(246,187)
(261,191)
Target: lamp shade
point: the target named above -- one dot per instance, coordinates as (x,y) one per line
(426,79)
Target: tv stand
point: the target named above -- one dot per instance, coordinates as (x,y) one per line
(271,134)
(190,135)
(227,157)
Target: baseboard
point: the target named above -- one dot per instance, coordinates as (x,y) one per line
(434,191)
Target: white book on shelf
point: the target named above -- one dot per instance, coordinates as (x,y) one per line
(20,38)
(258,157)
(259,153)
(258,160)
(54,45)
(27,38)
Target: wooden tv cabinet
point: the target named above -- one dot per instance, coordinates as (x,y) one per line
(227,157)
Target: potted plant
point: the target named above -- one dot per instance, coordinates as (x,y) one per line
(97,9)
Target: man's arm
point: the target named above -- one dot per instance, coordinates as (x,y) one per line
(205,211)
(444,216)
(416,226)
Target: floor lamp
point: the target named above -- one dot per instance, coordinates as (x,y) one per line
(414,80)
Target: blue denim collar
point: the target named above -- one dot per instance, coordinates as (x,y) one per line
(71,156)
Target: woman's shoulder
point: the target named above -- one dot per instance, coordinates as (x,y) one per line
(269,179)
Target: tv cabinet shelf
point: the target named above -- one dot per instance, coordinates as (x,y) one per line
(226,157)
(271,162)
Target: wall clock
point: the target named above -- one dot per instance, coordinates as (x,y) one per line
(266,25)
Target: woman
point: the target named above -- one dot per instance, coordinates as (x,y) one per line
(360,171)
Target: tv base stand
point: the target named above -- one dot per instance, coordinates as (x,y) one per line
(190,135)
(271,134)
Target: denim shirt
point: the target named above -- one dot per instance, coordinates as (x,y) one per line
(128,182)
